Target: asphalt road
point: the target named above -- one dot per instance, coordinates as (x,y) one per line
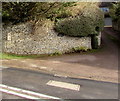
(37,82)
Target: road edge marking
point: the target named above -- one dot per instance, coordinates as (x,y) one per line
(9,89)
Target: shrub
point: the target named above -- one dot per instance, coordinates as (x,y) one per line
(17,11)
(22,11)
(115,14)
(115,11)
(89,21)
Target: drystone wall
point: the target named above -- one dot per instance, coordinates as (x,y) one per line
(19,39)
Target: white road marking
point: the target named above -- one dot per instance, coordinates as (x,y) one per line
(24,93)
(64,85)
(18,94)
(3,67)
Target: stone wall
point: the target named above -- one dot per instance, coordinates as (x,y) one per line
(19,39)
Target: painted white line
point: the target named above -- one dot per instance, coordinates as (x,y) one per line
(21,91)
(1,85)
(18,94)
(2,67)
(64,85)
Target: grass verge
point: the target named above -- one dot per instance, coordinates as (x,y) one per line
(13,56)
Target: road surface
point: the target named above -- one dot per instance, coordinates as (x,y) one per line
(38,82)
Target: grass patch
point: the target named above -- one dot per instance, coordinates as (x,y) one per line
(85,51)
(13,56)
(95,50)
(79,49)
(55,54)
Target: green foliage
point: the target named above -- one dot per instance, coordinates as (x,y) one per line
(52,10)
(79,49)
(115,14)
(17,11)
(56,53)
(23,11)
(13,56)
(89,21)
(115,11)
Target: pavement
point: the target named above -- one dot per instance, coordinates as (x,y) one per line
(33,81)
(91,65)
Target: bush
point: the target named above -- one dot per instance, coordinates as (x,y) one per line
(23,11)
(89,21)
(17,11)
(115,11)
(115,14)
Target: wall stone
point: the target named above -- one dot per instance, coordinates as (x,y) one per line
(18,39)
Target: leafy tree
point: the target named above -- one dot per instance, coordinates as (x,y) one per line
(17,11)
(115,11)
(115,14)
(23,11)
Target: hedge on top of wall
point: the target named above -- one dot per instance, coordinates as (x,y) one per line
(88,21)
